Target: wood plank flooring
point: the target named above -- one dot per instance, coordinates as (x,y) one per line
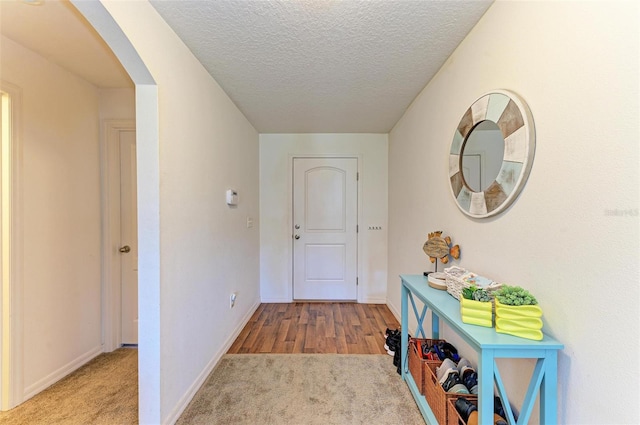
(340,328)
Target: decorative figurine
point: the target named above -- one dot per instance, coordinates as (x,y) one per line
(437,247)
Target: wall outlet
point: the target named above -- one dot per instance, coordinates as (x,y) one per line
(232,299)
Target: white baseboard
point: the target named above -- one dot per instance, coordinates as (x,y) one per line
(184,401)
(288,301)
(60,373)
(276,300)
(374,301)
(394,311)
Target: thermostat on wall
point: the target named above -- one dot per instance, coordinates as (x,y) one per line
(232,197)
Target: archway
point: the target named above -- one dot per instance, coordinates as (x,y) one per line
(148,205)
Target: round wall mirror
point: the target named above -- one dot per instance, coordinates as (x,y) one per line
(491,154)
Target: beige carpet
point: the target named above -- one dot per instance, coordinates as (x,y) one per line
(104,391)
(303,389)
(265,389)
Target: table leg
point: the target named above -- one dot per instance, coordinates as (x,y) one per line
(435,325)
(404,324)
(549,389)
(485,386)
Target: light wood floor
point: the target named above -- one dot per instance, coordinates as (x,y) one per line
(342,328)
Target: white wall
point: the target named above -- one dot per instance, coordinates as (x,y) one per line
(576,65)
(117,104)
(61,222)
(276,153)
(206,145)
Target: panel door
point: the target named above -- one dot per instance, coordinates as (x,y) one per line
(325,218)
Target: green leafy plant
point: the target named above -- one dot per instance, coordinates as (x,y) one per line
(481,295)
(467,293)
(515,295)
(473,293)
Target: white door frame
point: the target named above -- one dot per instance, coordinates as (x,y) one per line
(290,217)
(111,258)
(11,291)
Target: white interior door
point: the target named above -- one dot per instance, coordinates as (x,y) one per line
(128,238)
(325,218)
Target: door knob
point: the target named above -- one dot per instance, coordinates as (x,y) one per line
(297,236)
(297,226)
(125,249)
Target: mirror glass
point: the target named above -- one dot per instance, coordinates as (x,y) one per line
(491,154)
(482,155)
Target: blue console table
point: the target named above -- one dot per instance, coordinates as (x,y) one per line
(489,345)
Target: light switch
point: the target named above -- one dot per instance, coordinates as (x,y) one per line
(232,197)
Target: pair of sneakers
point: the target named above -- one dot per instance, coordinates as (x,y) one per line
(458,378)
(468,375)
(468,411)
(392,342)
(439,351)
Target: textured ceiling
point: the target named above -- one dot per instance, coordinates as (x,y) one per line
(322,66)
(58,32)
(303,66)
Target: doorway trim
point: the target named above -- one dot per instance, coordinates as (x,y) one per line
(290,217)
(148,165)
(11,297)
(111,264)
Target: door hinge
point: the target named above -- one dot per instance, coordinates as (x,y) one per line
(357,176)
(357,281)
(357,228)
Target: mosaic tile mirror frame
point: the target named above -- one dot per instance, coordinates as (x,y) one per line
(512,116)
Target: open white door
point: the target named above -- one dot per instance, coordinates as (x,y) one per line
(325,218)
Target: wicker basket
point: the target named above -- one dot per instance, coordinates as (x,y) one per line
(437,397)
(418,365)
(455,282)
(453,417)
